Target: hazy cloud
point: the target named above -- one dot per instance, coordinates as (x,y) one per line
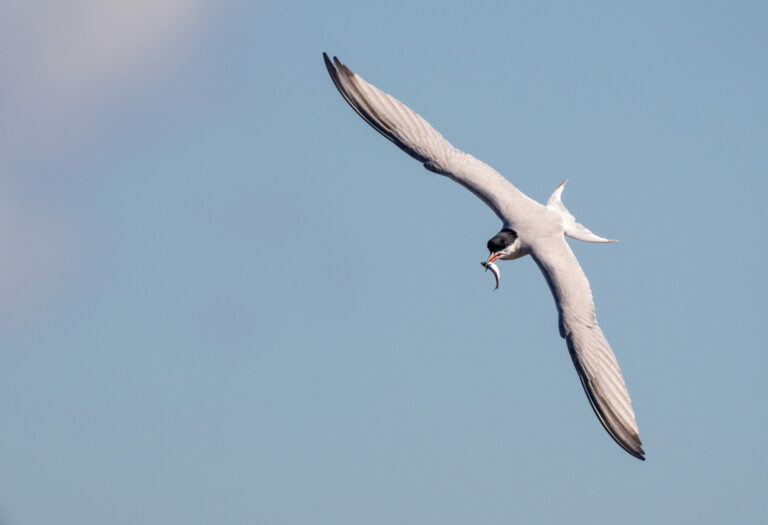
(38,251)
(62,63)
(62,59)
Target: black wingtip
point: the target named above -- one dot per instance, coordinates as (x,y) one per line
(638,452)
(333,69)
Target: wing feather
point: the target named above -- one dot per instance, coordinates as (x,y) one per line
(414,135)
(591,354)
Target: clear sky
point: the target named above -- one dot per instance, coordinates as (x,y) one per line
(225,299)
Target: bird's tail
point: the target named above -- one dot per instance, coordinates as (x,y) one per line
(571,228)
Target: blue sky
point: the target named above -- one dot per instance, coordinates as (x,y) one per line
(225,299)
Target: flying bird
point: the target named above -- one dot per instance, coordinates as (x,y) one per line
(528,228)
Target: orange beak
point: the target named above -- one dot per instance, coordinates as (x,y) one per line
(493,257)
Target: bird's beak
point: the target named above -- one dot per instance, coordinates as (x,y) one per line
(492,257)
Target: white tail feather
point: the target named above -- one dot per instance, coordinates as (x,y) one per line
(571,228)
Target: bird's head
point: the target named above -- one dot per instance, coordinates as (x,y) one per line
(505,245)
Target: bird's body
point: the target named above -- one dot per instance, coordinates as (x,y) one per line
(528,228)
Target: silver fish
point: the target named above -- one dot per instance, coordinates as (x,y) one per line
(494,270)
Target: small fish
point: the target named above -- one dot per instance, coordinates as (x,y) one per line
(494,270)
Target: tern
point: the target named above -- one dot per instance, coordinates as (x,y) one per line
(528,228)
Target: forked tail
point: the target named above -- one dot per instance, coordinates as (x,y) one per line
(571,228)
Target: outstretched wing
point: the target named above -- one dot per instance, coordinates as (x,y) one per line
(417,138)
(592,355)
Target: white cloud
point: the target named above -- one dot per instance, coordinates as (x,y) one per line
(70,49)
(62,63)
(68,58)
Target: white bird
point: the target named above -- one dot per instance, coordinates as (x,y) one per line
(529,228)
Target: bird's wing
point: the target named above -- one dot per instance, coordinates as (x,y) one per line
(592,355)
(415,136)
